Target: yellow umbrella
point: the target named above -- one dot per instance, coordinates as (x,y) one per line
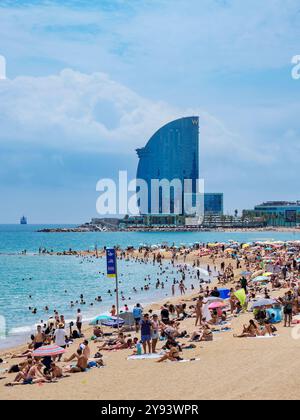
(246,246)
(267,274)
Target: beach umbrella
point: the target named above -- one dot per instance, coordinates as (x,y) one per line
(264,302)
(257,273)
(260,279)
(216,305)
(246,273)
(99,319)
(213,299)
(267,274)
(229,250)
(52,350)
(246,246)
(128,318)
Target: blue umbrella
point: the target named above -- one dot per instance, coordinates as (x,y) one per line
(260,278)
(264,302)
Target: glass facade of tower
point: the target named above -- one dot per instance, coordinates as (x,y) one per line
(171,153)
(213,203)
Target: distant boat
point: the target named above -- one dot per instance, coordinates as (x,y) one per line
(23,221)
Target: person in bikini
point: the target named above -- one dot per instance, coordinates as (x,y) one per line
(250,331)
(198,311)
(172,355)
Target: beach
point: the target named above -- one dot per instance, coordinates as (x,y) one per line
(228,367)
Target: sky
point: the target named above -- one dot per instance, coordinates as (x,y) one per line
(90,81)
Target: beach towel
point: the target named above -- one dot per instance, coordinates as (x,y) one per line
(265,336)
(145,356)
(221,331)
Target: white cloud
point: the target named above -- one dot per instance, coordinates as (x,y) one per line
(76,111)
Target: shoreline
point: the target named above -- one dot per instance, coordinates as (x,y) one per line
(92,229)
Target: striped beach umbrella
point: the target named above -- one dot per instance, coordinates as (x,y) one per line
(51,350)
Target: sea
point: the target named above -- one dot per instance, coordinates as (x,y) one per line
(36,281)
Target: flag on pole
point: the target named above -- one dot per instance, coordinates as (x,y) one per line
(111,262)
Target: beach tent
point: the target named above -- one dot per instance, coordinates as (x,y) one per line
(224,293)
(277,314)
(128,318)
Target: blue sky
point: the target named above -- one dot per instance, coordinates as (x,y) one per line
(89,81)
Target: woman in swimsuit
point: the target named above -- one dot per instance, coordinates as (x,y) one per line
(250,331)
(172,355)
(154,332)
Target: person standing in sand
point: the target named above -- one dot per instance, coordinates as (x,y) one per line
(198,311)
(154,332)
(146,328)
(60,337)
(137,314)
(288,308)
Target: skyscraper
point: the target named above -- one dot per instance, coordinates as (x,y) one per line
(171,153)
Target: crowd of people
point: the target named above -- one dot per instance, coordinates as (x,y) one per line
(248,273)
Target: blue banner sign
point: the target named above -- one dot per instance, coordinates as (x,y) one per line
(111,262)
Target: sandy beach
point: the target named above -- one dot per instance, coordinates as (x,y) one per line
(229,368)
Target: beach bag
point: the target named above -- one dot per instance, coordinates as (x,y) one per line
(75,334)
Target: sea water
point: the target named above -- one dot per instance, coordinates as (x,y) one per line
(55,281)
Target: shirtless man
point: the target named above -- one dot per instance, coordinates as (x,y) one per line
(82,362)
(86,349)
(38,338)
(55,371)
(32,374)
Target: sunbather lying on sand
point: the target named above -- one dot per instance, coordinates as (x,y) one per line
(119,346)
(203,334)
